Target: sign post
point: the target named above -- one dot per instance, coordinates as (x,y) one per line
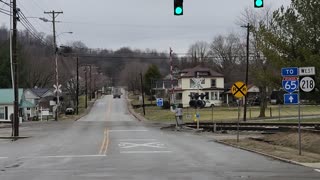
(239,89)
(291,83)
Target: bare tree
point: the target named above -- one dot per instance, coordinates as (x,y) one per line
(261,70)
(228,56)
(198,52)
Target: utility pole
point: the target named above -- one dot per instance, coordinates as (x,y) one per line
(247,70)
(90,77)
(54,15)
(142,92)
(15,119)
(86,100)
(77,91)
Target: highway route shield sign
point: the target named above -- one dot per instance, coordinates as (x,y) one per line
(239,89)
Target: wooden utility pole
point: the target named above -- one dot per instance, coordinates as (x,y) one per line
(77,92)
(54,15)
(247,71)
(15,119)
(86,79)
(142,92)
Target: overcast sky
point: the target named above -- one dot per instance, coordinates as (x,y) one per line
(137,23)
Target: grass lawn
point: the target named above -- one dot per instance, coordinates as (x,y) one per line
(219,114)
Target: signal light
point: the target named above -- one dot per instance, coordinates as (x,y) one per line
(258,3)
(178,7)
(195,102)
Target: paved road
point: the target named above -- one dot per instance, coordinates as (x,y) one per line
(109,143)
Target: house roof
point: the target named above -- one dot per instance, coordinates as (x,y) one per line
(26,104)
(191,72)
(39,91)
(7,96)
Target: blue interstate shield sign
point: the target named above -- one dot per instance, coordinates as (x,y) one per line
(290,84)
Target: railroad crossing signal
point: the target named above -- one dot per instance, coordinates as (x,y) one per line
(178,7)
(258,3)
(239,89)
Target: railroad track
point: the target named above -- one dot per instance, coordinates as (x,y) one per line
(248,126)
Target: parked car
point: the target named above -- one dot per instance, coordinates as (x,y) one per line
(69,111)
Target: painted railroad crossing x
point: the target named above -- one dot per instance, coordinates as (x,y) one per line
(239,89)
(133,145)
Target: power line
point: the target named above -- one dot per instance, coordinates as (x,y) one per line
(4,12)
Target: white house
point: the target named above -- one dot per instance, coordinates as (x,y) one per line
(38,97)
(6,103)
(212,85)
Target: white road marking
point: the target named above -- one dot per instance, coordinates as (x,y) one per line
(3,157)
(64,156)
(318,170)
(144,152)
(133,145)
(137,130)
(137,139)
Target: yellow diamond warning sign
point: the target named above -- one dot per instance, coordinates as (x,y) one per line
(239,89)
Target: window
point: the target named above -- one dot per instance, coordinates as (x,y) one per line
(213,83)
(207,95)
(2,113)
(215,95)
(179,96)
(203,82)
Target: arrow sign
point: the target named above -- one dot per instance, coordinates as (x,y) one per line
(291,98)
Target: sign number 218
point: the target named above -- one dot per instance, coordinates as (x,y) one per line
(307,84)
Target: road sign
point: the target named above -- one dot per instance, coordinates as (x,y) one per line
(290,84)
(307,84)
(159,102)
(197,82)
(289,71)
(291,98)
(57,89)
(307,71)
(239,89)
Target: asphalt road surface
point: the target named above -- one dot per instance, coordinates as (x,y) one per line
(109,143)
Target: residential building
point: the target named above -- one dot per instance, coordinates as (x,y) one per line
(6,103)
(36,99)
(211,84)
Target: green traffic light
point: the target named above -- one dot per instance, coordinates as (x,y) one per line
(178,10)
(258,3)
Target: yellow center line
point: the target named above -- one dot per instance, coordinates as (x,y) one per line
(105,142)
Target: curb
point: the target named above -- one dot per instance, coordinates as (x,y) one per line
(132,112)
(86,112)
(262,153)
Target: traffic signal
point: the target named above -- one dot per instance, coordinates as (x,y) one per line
(195,102)
(258,3)
(178,7)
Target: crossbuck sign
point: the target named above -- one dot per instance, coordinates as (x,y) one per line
(197,82)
